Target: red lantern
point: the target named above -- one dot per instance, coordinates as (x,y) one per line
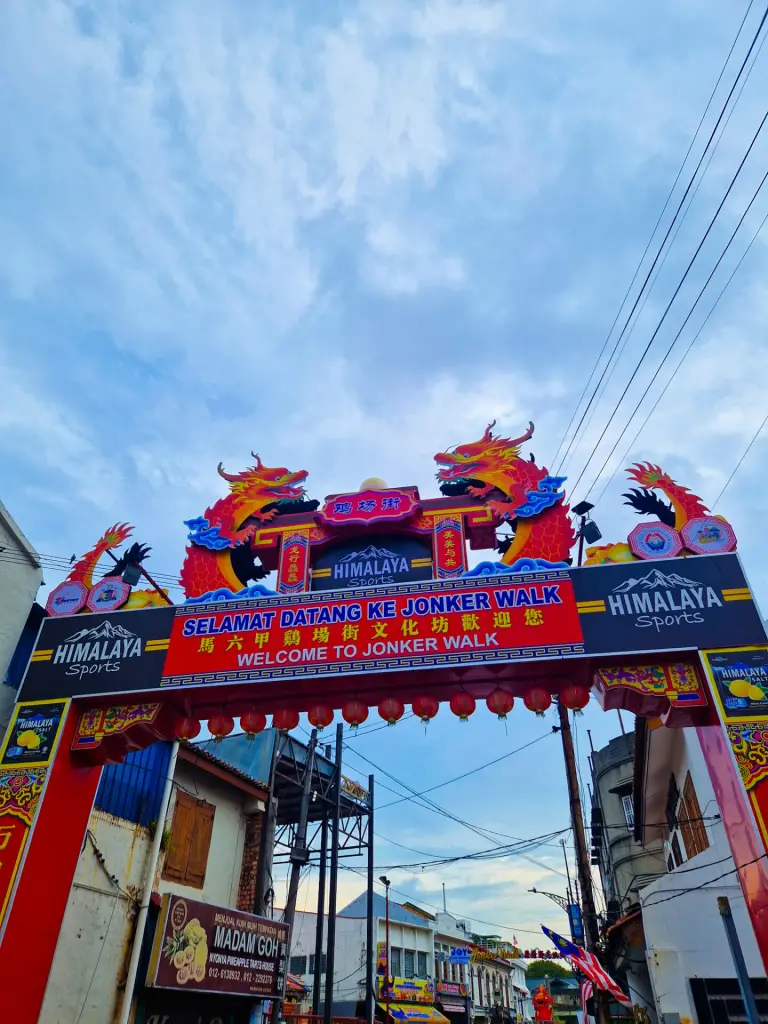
(319,715)
(463,705)
(575,697)
(285,719)
(537,699)
(253,722)
(426,708)
(220,726)
(391,710)
(500,702)
(354,713)
(187,728)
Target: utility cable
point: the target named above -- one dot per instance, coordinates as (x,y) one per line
(684,324)
(465,775)
(736,468)
(676,370)
(676,215)
(674,295)
(662,264)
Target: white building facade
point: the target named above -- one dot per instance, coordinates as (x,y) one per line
(211,844)
(20,579)
(691,968)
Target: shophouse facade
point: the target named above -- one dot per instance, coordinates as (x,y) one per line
(692,973)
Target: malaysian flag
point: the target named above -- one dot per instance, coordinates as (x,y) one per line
(589,965)
(585,991)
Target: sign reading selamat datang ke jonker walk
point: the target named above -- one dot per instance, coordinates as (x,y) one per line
(678,604)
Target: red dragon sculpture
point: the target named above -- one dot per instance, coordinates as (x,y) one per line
(683,506)
(516,490)
(231,522)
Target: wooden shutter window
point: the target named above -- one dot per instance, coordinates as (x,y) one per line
(689,819)
(190,841)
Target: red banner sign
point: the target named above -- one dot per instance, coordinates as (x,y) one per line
(421,626)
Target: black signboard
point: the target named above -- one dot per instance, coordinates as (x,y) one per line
(372,561)
(32,734)
(741,678)
(86,655)
(670,604)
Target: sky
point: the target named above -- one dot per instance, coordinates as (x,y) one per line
(347,236)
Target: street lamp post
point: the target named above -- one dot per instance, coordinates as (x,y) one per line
(386,883)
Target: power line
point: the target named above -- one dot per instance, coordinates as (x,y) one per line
(738,464)
(436,808)
(674,295)
(657,273)
(465,775)
(704,885)
(680,331)
(672,222)
(692,342)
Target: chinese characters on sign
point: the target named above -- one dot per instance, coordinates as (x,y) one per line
(294,563)
(450,553)
(458,621)
(369,507)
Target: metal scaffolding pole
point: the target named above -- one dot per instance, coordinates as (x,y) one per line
(334,884)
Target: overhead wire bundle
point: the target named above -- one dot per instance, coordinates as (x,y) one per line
(694,181)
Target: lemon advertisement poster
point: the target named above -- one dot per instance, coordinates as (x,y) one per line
(741,680)
(203,948)
(32,735)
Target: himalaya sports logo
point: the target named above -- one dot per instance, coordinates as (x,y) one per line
(658,600)
(100,649)
(371,565)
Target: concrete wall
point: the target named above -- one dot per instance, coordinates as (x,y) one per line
(626,866)
(684,934)
(20,579)
(96,936)
(97,933)
(225,858)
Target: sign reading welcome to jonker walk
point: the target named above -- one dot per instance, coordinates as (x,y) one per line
(678,604)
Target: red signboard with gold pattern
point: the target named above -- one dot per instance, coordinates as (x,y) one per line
(294,562)
(25,756)
(418,626)
(450,550)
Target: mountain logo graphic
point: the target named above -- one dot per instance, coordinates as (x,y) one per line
(654,579)
(100,648)
(663,599)
(368,553)
(105,631)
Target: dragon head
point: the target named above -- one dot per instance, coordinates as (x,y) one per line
(260,482)
(648,475)
(488,459)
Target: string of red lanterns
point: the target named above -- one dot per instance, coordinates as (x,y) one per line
(500,702)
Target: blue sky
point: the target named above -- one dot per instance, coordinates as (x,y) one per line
(347,235)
